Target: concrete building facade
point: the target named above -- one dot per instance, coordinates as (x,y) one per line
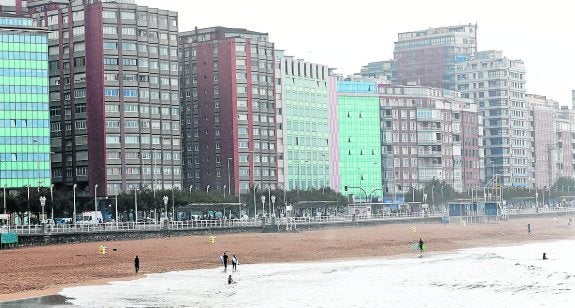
(498,85)
(114,95)
(228,101)
(302,123)
(428,57)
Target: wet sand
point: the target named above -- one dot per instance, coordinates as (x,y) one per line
(39,271)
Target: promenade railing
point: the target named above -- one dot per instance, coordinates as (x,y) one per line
(258,222)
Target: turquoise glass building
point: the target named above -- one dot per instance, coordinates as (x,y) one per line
(359,139)
(24,113)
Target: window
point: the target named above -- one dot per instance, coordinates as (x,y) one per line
(129,31)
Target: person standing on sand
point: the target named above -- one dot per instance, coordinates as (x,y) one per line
(230,280)
(225,259)
(421,245)
(137,264)
(234,262)
(528,229)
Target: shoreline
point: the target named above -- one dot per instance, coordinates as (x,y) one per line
(46,270)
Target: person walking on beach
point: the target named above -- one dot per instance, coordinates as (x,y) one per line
(137,264)
(529,229)
(421,245)
(225,260)
(230,280)
(234,262)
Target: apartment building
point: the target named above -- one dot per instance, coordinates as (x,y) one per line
(498,85)
(302,123)
(114,95)
(228,105)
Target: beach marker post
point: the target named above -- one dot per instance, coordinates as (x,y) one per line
(212,239)
(103,250)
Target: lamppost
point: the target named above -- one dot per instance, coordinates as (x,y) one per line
(255,204)
(136,205)
(263,204)
(4,198)
(37,141)
(191,186)
(173,205)
(269,200)
(74,217)
(154,171)
(43,203)
(225,191)
(208,188)
(95,198)
(229,179)
(432,202)
(166,205)
(116,197)
(52,199)
(273,206)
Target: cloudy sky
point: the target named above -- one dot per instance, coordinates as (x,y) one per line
(348,34)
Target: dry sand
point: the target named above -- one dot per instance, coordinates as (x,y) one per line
(36,271)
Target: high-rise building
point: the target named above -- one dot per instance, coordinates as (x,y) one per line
(380,70)
(428,57)
(498,85)
(422,134)
(359,135)
(553,140)
(114,95)
(228,105)
(427,134)
(302,123)
(24,115)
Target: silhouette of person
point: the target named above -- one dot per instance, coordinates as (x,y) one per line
(420,245)
(137,264)
(234,262)
(225,259)
(230,280)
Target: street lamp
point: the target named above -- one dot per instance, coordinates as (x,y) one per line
(269,200)
(273,205)
(154,171)
(191,186)
(37,141)
(95,198)
(43,203)
(52,199)
(74,217)
(263,204)
(229,179)
(255,204)
(225,191)
(166,205)
(432,202)
(4,198)
(208,188)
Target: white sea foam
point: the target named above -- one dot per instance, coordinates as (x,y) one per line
(480,277)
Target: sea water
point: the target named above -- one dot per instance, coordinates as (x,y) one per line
(515,276)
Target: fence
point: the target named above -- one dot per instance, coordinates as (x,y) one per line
(259,222)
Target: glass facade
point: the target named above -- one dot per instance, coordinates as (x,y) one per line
(24,114)
(359,141)
(307,132)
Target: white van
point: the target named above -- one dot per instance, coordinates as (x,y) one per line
(89,218)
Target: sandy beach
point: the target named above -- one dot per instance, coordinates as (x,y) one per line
(36,271)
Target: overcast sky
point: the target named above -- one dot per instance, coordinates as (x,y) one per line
(348,34)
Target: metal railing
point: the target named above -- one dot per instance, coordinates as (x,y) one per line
(258,222)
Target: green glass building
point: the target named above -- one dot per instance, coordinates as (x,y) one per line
(24,113)
(359,139)
(303,123)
